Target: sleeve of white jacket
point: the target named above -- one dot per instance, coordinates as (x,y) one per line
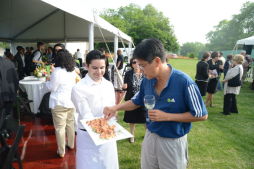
(53,84)
(81,104)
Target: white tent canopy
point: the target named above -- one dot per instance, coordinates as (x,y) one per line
(246,41)
(54,21)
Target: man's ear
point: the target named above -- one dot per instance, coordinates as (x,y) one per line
(86,65)
(157,60)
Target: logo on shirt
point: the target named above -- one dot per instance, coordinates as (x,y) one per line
(171,100)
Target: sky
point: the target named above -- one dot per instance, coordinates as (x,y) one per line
(191,19)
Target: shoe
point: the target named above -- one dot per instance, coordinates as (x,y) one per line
(225,113)
(60,155)
(132,140)
(69,148)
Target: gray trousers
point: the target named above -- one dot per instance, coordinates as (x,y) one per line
(164,153)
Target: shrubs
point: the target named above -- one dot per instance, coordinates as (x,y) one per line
(191,55)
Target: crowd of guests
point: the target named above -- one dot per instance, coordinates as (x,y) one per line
(208,75)
(178,98)
(27,59)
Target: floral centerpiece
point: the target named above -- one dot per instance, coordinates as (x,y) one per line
(41,72)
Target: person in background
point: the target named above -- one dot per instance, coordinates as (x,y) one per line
(56,48)
(228,65)
(60,100)
(49,54)
(222,59)
(90,96)
(214,69)
(20,60)
(28,60)
(106,74)
(132,82)
(31,49)
(79,56)
(8,86)
(230,103)
(37,55)
(178,103)
(246,65)
(117,77)
(8,55)
(202,73)
(221,62)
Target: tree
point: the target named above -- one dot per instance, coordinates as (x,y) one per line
(4,45)
(141,24)
(192,49)
(227,32)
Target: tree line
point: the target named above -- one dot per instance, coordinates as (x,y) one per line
(149,22)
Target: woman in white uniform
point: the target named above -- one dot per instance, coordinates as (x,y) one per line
(90,96)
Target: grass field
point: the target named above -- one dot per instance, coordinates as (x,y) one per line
(221,142)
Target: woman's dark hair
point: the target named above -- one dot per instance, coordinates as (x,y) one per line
(64,60)
(205,56)
(149,49)
(59,44)
(214,55)
(131,61)
(93,55)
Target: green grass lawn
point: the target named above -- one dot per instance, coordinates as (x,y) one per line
(221,142)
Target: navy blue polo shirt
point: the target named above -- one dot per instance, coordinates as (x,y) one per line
(180,95)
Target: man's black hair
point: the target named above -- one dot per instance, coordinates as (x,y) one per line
(39,44)
(94,54)
(149,49)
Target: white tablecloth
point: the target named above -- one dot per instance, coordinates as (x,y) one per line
(35,91)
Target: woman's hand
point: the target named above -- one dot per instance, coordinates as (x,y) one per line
(52,67)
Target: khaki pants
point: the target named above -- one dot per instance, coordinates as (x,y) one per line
(63,119)
(164,153)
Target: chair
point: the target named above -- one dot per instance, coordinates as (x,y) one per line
(23,101)
(9,153)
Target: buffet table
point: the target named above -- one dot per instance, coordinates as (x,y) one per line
(35,90)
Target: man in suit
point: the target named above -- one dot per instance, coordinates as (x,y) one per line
(8,85)
(20,60)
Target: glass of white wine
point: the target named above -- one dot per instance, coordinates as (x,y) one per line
(149,101)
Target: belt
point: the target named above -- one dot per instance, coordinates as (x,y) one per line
(83,129)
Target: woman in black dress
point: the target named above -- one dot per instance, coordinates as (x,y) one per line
(214,70)
(202,74)
(132,81)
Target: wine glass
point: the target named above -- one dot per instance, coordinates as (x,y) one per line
(149,101)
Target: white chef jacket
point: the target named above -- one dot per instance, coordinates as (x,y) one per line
(89,98)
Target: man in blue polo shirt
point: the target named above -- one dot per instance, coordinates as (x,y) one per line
(178,103)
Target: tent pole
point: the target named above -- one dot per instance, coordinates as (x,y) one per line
(115,47)
(91,36)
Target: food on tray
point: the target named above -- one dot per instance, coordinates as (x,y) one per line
(102,127)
